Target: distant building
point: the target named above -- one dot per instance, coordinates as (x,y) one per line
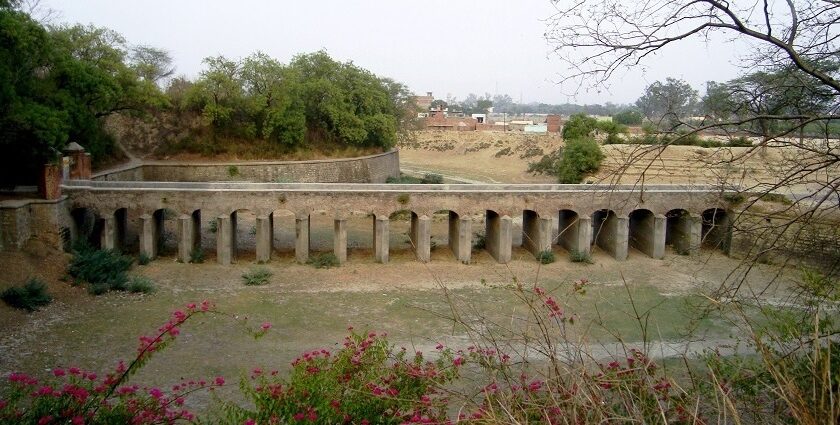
(424,102)
(480,118)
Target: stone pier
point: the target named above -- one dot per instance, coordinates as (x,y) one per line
(460,237)
(302,239)
(149,235)
(575,233)
(380,239)
(340,240)
(420,234)
(685,233)
(536,232)
(224,239)
(264,236)
(186,237)
(612,234)
(109,235)
(647,234)
(498,236)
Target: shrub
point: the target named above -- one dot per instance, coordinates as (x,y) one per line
(740,142)
(580,157)
(545,257)
(197,256)
(548,164)
(323,261)
(580,257)
(140,284)
(233,170)
(776,197)
(213,226)
(403,179)
(101,270)
(29,296)
(143,259)
(256,277)
(403,198)
(365,381)
(480,241)
(432,178)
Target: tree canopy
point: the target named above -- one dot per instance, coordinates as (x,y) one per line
(59,83)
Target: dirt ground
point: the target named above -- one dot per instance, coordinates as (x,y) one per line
(494,157)
(311,308)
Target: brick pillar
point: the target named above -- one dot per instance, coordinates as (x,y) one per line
(381,239)
(340,240)
(460,237)
(264,236)
(302,239)
(49,182)
(420,237)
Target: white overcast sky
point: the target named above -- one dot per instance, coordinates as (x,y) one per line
(449,47)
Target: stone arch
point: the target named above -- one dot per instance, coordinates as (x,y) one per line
(682,231)
(498,235)
(536,232)
(282,228)
(459,235)
(716,229)
(574,232)
(647,232)
(86,227)
(610,233)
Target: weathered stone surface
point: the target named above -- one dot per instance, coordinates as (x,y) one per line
(366,169)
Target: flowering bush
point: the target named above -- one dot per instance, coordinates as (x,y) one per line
(75,396)
(366,381)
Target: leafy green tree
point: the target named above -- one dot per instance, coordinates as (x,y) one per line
(667,103)
(578,126)
(628,117)
(579,157)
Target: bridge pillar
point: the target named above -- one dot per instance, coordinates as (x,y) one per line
(380,239)
(224,239)
(536,232)
(186,237)
(613,236)
(460,237)
(686,234)
(498,236)
(575,233)
(302,239)
(149,235)
(420,234)
(108,237)
(340,240)
(647,234)
(264,237)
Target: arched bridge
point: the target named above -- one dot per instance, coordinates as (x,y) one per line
(576,217)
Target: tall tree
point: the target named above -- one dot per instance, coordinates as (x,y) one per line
(669,102)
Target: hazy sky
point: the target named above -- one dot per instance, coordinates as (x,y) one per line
(450,47)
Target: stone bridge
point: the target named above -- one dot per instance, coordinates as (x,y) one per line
(576,217)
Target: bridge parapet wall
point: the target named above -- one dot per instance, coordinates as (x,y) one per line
(367,169)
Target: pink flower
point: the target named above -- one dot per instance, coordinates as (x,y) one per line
(299,416)
(58,372)
(439,346)
(458,361)
(156,393)
(265,326)
(220,381)
(249,421)
(45,420)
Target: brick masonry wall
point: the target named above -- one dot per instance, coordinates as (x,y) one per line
(368,169)
(771,239)
(41,220)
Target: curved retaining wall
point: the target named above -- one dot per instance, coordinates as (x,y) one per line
(366,169)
